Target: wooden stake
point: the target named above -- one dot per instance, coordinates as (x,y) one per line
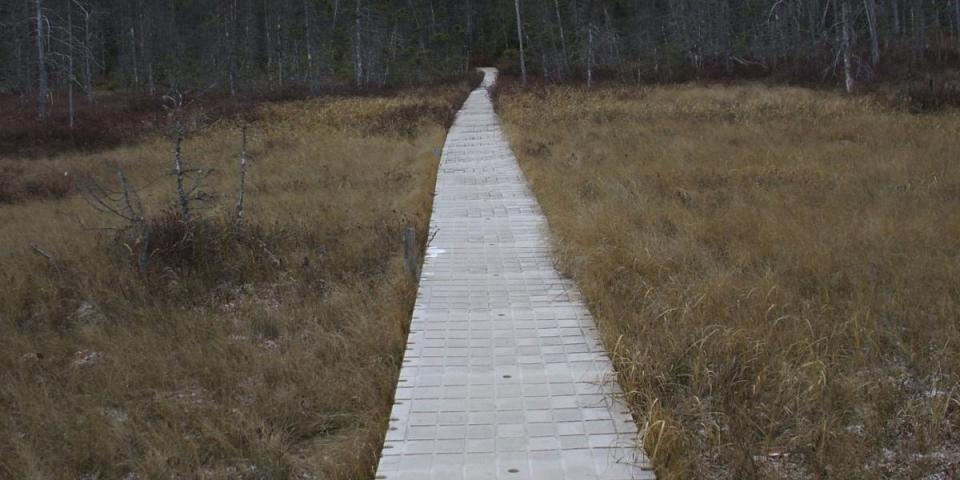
(410,253)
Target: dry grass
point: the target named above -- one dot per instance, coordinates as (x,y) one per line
(227,365)
(776,270)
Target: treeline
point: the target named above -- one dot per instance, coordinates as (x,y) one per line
(238,45)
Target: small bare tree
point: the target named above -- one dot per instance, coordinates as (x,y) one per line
(125,205)
(177,131)
(238,214)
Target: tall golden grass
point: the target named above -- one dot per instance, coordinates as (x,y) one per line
(775,270)
(239,364)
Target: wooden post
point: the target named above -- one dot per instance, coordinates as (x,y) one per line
(410,253)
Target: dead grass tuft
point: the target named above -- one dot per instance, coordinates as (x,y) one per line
(775,270)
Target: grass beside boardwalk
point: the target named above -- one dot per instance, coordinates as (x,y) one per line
(272,355)
(775,270)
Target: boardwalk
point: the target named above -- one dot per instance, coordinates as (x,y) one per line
(503,377)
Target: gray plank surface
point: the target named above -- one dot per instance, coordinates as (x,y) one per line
(504,376)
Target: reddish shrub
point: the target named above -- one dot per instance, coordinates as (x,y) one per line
(115,119)
(17,184)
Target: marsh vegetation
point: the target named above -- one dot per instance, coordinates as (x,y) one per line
(775,270)
(271,352)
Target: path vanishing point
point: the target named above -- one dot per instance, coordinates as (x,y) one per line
(504,376)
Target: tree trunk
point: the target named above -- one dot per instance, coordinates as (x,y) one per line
(590,56)
(133,54)
(871,8)
(87,60)
(229,24)
(279,52)
(468,35)
(308,32)
(543,65)
(246,60)
(43,87)
(357,52)
(847,47)
(523,60)
(144,47)
(238,211)
(915,30)
(183,200)
(563,40)
(267,35)
(895,14)
(956,16)
(70,76)
(23,78)
(419,26)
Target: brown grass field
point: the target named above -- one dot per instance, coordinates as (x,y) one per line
(776,270)
(269,355)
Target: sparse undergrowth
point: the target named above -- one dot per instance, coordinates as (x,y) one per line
(272,354)
(776,270)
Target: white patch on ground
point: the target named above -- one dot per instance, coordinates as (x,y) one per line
(85,358)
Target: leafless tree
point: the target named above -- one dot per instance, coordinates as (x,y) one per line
(124,204)
(189,181)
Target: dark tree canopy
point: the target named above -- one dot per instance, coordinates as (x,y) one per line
(237,45)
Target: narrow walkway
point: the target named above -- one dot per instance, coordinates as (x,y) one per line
(503,377)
